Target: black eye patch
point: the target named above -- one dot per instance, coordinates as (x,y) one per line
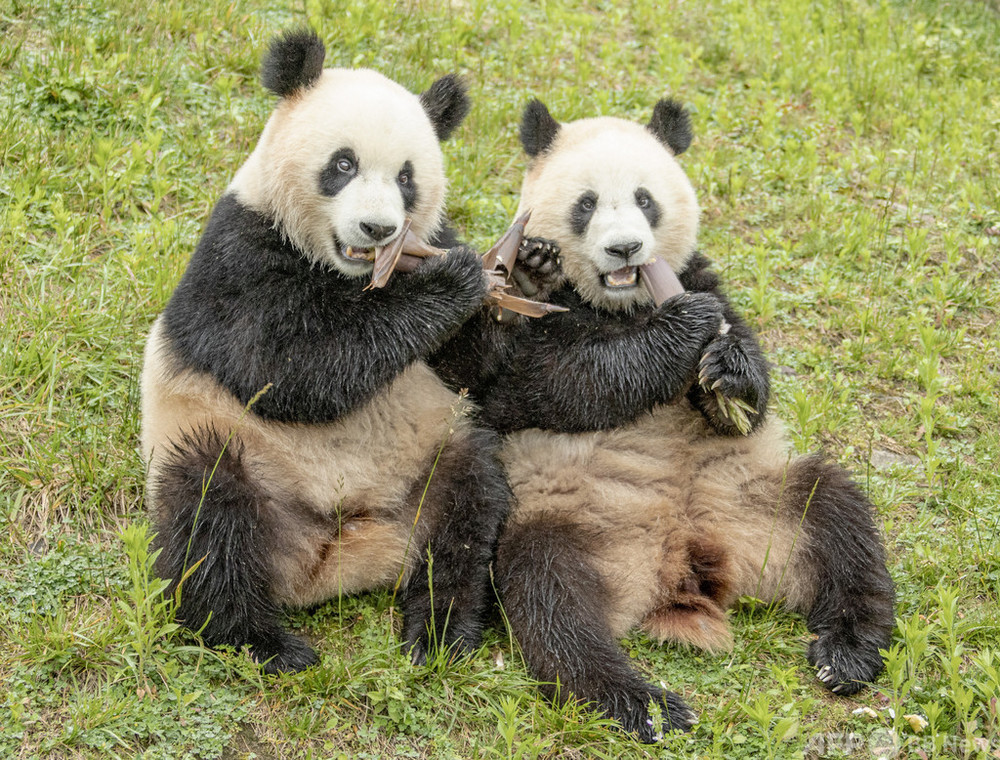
(582,211)
(648,205)
(338,172)
(407,186)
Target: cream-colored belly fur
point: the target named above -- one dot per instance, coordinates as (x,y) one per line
(341,488)
(655,494)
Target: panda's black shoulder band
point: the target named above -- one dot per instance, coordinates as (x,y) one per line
(294,61)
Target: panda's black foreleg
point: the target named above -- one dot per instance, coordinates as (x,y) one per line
(209,510)
(853,609)
(733,364)
(556,603)
(447,599)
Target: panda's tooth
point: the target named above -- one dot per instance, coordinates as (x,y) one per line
(349,253)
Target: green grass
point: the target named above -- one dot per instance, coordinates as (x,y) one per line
(848,162)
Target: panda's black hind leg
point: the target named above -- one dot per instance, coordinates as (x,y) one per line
(208,509)
(556,603)
(446,600)
(853,611)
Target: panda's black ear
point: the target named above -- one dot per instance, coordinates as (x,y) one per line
(293,62)
(671,125)
(446,104)
(538,128)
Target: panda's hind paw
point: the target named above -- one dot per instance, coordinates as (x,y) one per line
(284,654)
(632,712)
(454,640)
(845,665)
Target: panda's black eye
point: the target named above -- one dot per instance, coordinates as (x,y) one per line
(648,205)
(338,172)
(582,212)
(407,186)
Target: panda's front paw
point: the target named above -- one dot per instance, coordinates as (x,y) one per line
(538,270)
(538,255)
(846,662)
(631,710)
(735,388)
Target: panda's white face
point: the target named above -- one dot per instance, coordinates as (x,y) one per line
(612,196)
(342,164)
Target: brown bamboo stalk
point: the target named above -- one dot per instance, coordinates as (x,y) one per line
(660,280)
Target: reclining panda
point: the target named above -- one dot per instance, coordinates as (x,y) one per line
(299,446)
(636,502)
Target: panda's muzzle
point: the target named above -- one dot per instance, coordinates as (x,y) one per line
(627,276)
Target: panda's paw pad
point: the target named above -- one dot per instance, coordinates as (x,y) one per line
(289,654)
(538,255)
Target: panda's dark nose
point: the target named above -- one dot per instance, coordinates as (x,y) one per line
(624,250)
(377,232)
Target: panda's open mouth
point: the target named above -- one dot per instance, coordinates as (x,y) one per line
(358,254)
(626,277)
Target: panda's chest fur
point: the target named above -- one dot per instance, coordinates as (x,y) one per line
(371,457)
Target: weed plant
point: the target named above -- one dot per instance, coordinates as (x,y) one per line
(847,158)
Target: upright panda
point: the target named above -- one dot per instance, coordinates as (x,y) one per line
(299,447)
(660,520)
(610,357)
